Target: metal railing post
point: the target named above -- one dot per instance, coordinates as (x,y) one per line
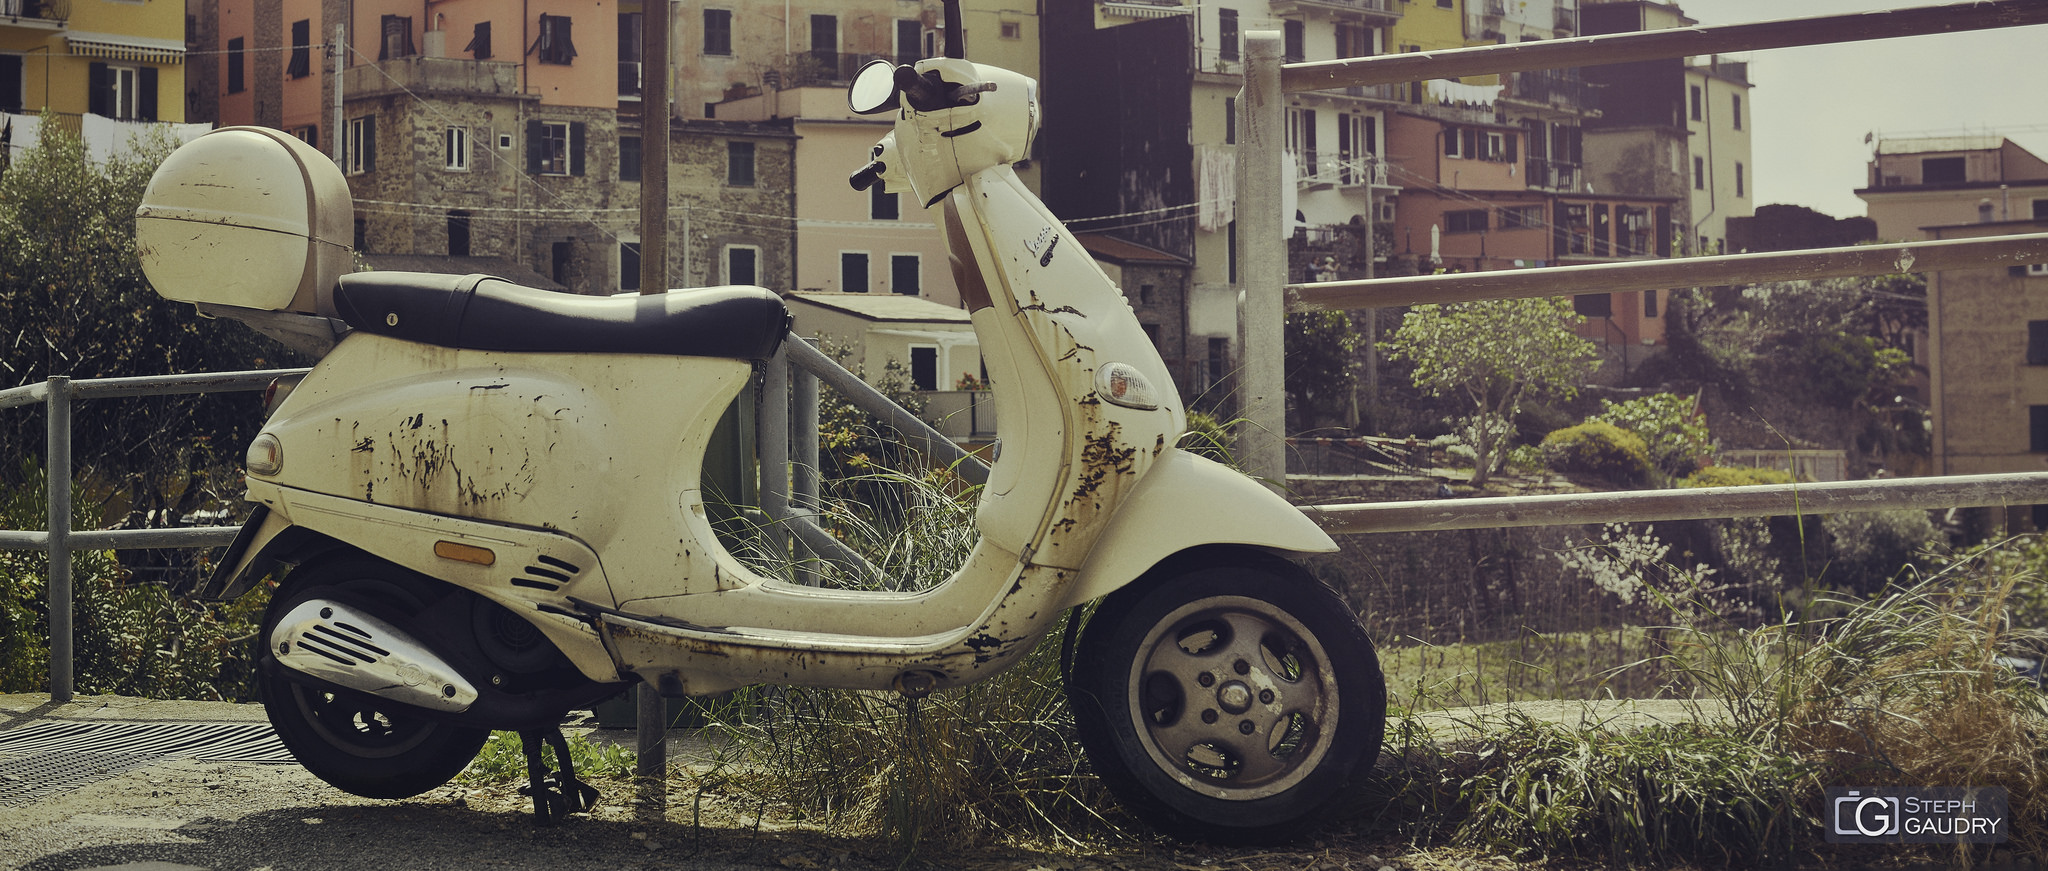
(58,478)
(804,435)
(1262,258)
(773,450)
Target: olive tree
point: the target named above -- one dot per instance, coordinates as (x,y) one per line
(1495,354)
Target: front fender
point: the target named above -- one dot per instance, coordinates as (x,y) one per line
(1184,501)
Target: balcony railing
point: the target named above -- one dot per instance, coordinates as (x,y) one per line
(35,11)
(1561,88)
(821,68)
(1385,9)
(1552,175)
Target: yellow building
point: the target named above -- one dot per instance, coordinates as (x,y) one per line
(119,59)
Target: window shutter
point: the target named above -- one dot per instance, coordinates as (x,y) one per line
(576,132)
(145,94)
(533,147)
(480,44)
(10,83)
(99,89)
(1513,145)
(565,48)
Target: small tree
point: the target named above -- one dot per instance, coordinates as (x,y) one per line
(1495,353)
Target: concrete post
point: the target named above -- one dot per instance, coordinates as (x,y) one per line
(1262,258)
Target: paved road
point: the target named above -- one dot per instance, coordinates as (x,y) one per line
(138,785)
(180,809)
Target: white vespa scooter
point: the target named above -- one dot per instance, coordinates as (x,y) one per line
(488,498)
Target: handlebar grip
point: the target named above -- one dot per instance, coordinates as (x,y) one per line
(867,176)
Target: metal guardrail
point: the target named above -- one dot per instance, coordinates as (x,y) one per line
(56,396)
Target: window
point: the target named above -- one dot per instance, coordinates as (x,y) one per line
(882,205)
(718,31)
(924,367)
(1736,117)
(1226,34)
(1301,139)
(554,147)
(479,46)
(1230,120)
(909,34)
(309,134)
(1219,358)
(739,164)
(1697,103)
(853,271)
(1521,217)
(1634,238)
(1699,173)
(360,146)
(301,63)
(629,265)
(555,46)
(2037,270)
(1649,304)
(457,149)
(11,83)
(1354,40)
(825,43)
(629,158)
(458,233)
(1444,4)
(1943,170)
(2040,206)
(362,235)
(742,264)
(397,41)
(1294,40)
(124,93)
(237,78)
(1739,188)
(2037,343)
(2037,428)
(1593,305)
(905,274)
(1011,30)
(629,55)
(562,260)
(1465,221)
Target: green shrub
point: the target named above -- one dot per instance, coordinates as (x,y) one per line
(1735,476)
(1209,437)
(1868,549)
(1600,449)
(1669,426)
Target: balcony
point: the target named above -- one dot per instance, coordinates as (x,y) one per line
(1552,175)
(1567,21)
(421,75)
(961,415)
(35,14)
(806,69)
(1562,89)
(1388,93)
(1370,11)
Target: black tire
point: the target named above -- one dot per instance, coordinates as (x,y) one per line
(359,743)
(1227,702)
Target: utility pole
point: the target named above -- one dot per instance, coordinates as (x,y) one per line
(1262,249)
(339,51)
(652,710)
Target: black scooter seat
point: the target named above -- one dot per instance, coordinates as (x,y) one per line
(484,313)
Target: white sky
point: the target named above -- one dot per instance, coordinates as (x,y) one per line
(1812,105)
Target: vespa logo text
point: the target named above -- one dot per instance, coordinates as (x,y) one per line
(1922,815)
(1047,240)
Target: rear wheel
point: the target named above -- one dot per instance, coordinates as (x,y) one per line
(362,744)
(1227,702)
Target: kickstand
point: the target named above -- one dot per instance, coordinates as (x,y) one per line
(558,794)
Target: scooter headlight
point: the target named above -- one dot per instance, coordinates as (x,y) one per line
(265,456)
(1122,384)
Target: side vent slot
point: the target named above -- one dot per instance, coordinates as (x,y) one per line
(547,574)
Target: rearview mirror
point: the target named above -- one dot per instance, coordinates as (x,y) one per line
(873,90)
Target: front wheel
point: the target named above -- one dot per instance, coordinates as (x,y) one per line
(1227,702)
(359,743)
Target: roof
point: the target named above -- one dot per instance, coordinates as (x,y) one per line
(894,307)
(1940,143)
(444,264)
(1124,253)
